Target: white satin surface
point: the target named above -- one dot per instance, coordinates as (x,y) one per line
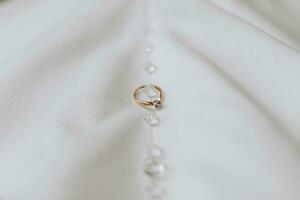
(69,129)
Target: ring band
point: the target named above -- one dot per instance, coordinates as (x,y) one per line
(150,104)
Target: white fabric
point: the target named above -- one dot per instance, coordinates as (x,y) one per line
(70,131)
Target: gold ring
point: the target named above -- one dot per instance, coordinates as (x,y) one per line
(153,103)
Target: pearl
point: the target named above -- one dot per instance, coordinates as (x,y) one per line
(155,168)
(148,48)
(151,118)
(150,68)
(150,91)
(156,191)
(155,152)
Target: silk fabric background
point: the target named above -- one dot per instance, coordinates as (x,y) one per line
(70,131)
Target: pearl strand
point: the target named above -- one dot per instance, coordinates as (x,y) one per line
(154,165)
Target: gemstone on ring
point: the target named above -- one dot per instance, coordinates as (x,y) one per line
(150,91)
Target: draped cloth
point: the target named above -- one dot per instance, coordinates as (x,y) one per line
(69,129)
